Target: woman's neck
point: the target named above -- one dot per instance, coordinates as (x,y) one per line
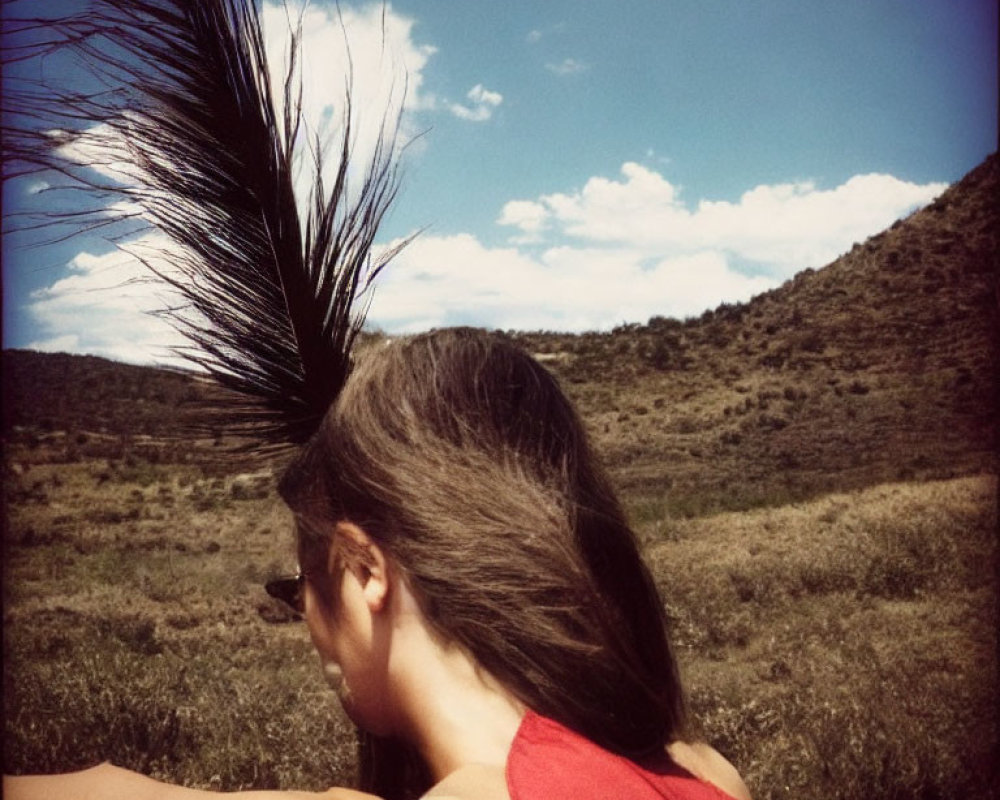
(455,714)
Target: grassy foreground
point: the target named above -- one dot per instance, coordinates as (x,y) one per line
(841,648)
(845,647)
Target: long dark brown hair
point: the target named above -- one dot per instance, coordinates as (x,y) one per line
(463,459)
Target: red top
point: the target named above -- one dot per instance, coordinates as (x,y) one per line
(550,762)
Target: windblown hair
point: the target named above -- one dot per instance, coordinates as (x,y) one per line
(463,459)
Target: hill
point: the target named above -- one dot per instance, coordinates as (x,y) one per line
(67,407)
(61,392)
(881,366)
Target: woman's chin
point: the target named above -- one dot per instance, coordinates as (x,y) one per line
(334,677)
(366,716)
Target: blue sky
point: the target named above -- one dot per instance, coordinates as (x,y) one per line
(585,164)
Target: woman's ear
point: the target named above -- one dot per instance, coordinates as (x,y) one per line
(364,559)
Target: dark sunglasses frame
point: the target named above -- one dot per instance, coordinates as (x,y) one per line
(290,590)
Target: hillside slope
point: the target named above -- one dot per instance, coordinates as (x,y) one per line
(61,392)
(881,366)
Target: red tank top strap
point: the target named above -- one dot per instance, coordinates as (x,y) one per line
(548,761)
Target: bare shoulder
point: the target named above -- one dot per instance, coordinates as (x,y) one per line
(705,762)
(472,782)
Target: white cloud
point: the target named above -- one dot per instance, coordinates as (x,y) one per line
(628,249)
(786,226)
(104,307)
(372,45)
(652,155)
(102,148)
(483,102)
(568,66)
(530,217)
(448,280)
(369,50)
(537,34)
(479,94)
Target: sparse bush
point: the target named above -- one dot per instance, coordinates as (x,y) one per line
(730,437)
(788,459)
(110,516)
(250,487)
(659,358)
(659,324)
(826,577)
(687,425)
(138,634)
(842,647)
(894,576)
(793,395)
(810,342)
(209,497)
(772,422)
(812,655)
(124,702)
(775,360)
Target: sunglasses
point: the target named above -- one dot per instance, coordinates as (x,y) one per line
(290,590)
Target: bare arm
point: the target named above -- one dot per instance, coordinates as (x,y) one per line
(107,782)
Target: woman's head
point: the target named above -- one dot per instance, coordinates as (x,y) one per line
(459,455)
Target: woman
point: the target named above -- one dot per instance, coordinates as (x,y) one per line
(470,577)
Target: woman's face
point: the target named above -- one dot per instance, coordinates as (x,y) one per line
(352,649)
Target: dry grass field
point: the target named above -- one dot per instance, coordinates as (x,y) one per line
(133,630)
(843,647)
(813,476)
